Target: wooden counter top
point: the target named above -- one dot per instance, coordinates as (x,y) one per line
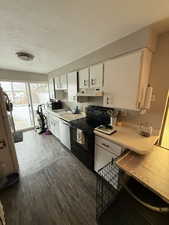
(129,138)
(152,170)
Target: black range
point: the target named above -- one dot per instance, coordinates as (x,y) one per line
(84,149)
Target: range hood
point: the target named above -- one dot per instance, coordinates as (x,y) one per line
(90,93)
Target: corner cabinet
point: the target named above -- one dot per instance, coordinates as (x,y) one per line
(126,80)
(72,86)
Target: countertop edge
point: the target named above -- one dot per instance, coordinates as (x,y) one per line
(125,145)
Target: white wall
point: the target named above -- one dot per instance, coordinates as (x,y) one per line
(12,75)
(138,40)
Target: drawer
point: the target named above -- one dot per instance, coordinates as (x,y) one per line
(102,157)
(108,145)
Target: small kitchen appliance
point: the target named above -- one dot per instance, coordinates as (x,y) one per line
(54,104)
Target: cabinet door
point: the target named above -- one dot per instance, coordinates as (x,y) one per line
(48,121)
(53,123)
(51,88)
(57,127)
(84,78)
(144,78)
(72,86)
(65,133)
(121,81)
(96,76)
(102,157)
(63,81)
(57,82)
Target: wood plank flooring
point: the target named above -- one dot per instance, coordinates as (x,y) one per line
(55,188)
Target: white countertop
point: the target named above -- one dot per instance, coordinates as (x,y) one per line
(66,115)
(129,138)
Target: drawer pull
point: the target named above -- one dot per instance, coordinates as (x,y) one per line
(107,146)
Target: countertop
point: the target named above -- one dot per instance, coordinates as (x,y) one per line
(128,137)
(152,170)
(66,115)
(146,162)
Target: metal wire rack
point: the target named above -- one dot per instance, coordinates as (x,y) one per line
(108,187)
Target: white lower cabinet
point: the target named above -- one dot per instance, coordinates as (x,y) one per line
(53,125)
(59,129)
(105,151)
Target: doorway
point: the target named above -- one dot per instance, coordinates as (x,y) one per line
(25,97)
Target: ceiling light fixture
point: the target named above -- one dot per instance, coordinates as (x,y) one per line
(25,56)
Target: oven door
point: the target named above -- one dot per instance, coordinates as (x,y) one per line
(85,151)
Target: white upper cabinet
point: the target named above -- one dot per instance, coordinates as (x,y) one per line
(61,82)
(126,79)
(51,88)
(57,82)
(72,86)
(96,76)
(84,78)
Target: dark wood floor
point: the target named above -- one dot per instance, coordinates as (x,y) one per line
(55,188)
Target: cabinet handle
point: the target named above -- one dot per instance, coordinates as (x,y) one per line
(93,81)
(107,146)
(2,144)
(85,82)
(107,100)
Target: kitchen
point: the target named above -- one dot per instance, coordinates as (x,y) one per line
(105,146)
(102,153)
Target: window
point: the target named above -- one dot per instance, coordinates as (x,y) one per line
(25,97)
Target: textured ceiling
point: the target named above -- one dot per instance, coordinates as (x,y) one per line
(59,32)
